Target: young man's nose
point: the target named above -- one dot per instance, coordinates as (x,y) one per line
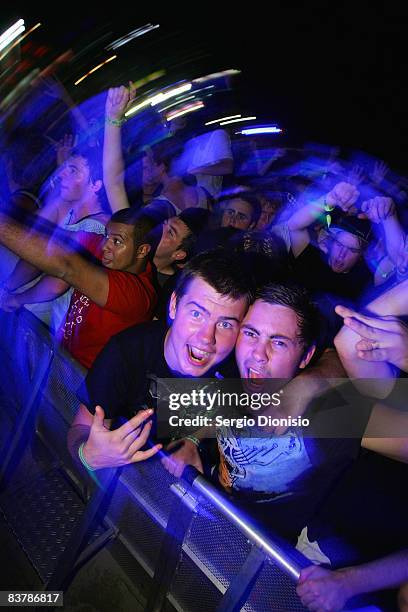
(259,353)
(206,333)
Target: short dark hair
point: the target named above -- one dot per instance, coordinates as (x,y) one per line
(298,299)
(93,157)
(142,224)
(248,197)
(221,270)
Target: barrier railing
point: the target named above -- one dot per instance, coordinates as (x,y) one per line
(198,549)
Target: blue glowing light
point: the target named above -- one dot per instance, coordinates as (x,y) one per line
(272,129)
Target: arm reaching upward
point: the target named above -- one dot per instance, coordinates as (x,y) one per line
(117,101)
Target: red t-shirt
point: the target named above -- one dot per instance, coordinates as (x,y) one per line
(88,327)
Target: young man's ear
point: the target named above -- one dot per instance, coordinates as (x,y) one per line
(143,250)
(97,185)
(179,255)
(173,306)
(307,357)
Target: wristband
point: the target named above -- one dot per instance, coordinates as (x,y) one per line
(194,440)
(82,458)
(115,122)
(328,209)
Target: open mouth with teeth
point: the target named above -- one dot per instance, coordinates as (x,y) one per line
(256,378)
(197,356)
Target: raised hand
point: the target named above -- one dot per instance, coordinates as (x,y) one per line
(105,448)
(377,209)
(64,147)
(343,195)
(356,175)
(382,338)
(379,171)
(187,454)
(118,100)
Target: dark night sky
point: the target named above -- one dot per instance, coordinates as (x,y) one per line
(334,74)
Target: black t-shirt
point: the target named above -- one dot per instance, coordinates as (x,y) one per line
(123,377)
(312,270)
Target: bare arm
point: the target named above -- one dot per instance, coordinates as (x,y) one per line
(322,589)
(343,195)
(368,345)
(55,259)
(309,384)
(117,101)
(25,272)
(387,432)
(48,288)
(382,211)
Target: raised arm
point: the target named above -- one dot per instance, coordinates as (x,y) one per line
(382,211)
(117,101)
(25,272)
(55,258)
(343,195)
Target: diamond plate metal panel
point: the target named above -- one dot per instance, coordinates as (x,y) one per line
(42,515)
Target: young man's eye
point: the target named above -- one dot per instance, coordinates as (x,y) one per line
(248,333)
(196,314)
(225,325)
(279,343)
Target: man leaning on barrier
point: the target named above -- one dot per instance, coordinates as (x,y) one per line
(206,309)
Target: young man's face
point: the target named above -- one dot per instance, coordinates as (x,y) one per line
(119,251)
(204,329)
(75,182)
(152,173)
(237,213)
(344,252)
(174,232)
(268,344)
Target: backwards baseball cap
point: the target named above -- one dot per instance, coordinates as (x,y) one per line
(353,225)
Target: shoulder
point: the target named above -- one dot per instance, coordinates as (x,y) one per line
(141,335)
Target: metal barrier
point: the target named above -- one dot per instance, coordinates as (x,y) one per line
(199,551)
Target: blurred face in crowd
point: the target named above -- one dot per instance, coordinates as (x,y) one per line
(344,251)
(269,208)
(75,181)
(269,344)
(152,173)
(237,213)
(204,329)
(119,251)
(173,233)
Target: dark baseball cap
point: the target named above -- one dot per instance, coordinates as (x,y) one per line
(352,225)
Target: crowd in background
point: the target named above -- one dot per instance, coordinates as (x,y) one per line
(333,222)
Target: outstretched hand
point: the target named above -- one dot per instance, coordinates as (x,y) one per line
(382,338)
(105,448)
